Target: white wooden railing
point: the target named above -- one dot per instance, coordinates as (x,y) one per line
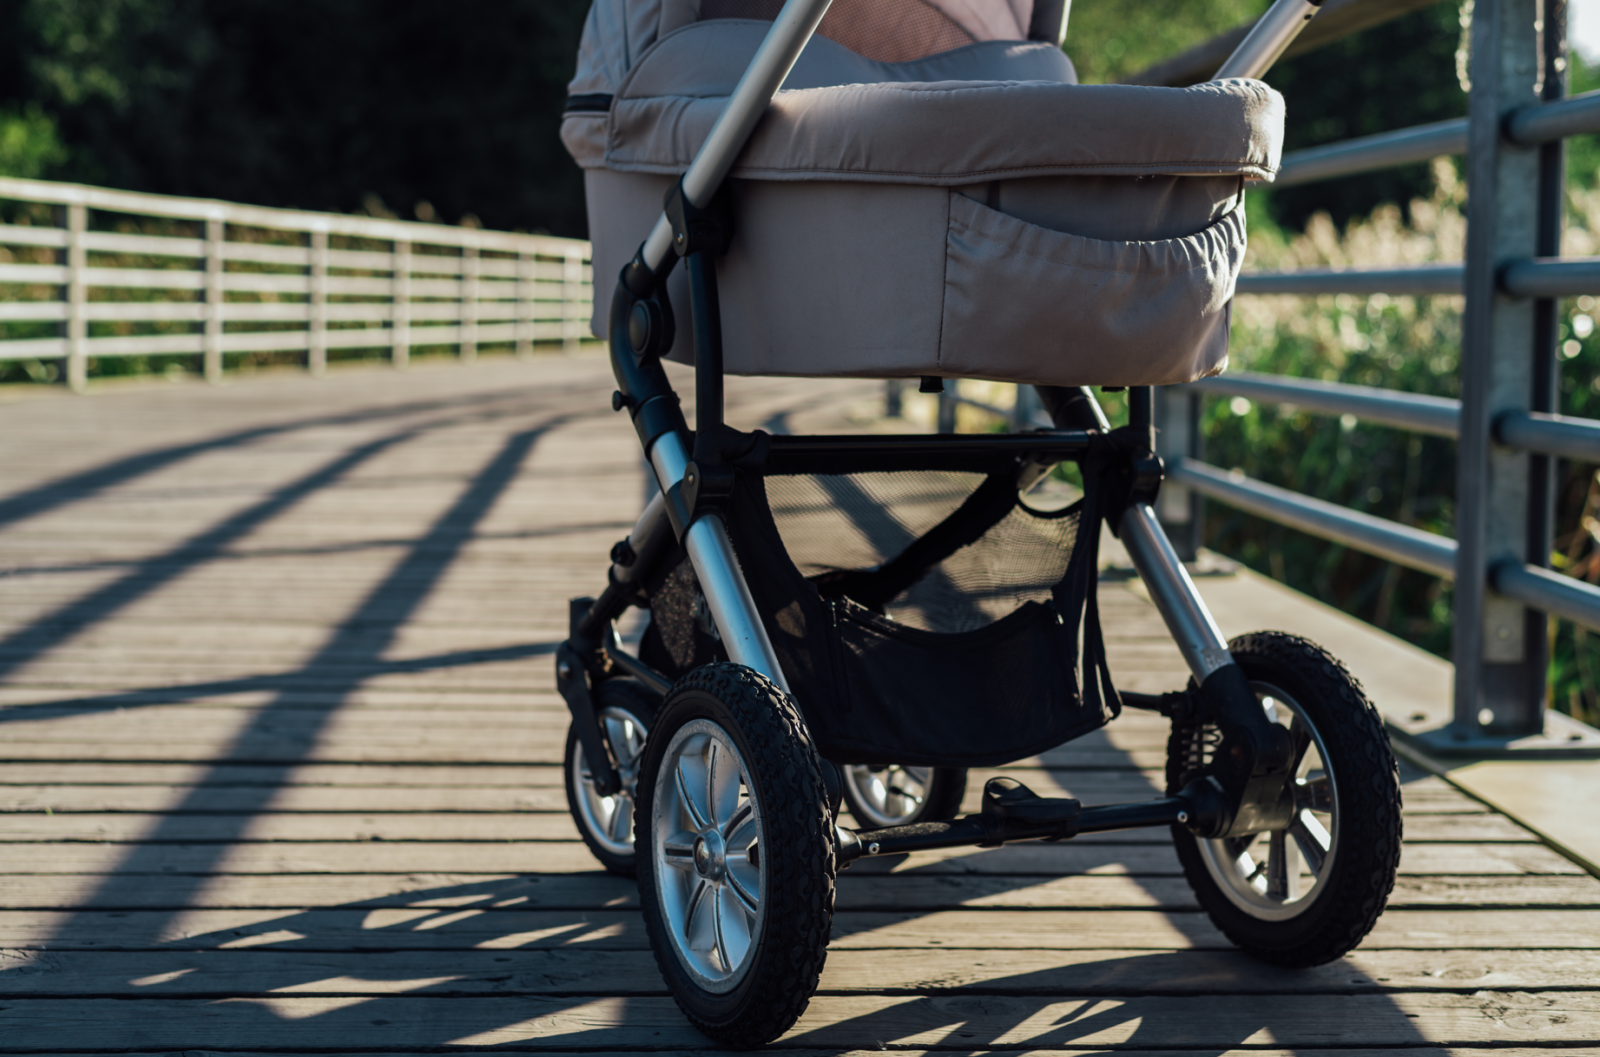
(87,272)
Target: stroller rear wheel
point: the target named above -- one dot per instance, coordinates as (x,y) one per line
(736,854)
(1309,893)
(898,795)
(627,711)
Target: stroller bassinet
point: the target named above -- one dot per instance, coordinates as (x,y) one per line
(971,213)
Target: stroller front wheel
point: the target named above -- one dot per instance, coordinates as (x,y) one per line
(1307,894)
(736,849)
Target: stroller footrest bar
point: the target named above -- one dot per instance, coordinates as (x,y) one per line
(1011,813)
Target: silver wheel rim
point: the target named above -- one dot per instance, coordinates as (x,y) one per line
(887,796)
(609,819)
(1278,874)
(706,833)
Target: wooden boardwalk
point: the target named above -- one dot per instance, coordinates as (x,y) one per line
(280,761)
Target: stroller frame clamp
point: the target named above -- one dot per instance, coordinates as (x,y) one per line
(734,798)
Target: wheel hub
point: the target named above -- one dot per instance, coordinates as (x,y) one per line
(710,854)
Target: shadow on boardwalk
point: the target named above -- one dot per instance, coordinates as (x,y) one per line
(552,959)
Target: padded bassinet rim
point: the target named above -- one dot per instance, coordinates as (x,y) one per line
(979,123)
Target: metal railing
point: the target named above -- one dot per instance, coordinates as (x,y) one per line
(1505,426)
(115,273)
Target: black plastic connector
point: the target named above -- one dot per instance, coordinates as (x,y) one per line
(697,229)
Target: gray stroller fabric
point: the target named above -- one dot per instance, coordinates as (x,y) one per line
(973,213)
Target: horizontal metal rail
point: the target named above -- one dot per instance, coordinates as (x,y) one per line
(1552,592)
(1435,415)
(1418,280)
(1551,277)
(1370,153)
(1398,543)
(1533,125)
(1572,438)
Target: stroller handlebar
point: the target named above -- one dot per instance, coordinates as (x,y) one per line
(1269,38)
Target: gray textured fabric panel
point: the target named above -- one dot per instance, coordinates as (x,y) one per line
(946,132)
(884,281)
(1023,303)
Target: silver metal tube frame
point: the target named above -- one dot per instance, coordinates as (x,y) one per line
(790,33)
(1268,39)
(1173,592)
(733,609)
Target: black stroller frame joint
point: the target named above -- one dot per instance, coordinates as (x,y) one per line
(762,697)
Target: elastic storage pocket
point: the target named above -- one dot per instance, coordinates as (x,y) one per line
(1028,304)
(977,698)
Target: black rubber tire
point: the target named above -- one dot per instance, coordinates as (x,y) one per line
(797,854)
(1367,779)
(630,696)
(946,788)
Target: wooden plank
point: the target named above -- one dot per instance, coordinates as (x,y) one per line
(406,928)
(418,1020)
(392,798)
(575,970)
(206,823)
(593,890)
(1024,860)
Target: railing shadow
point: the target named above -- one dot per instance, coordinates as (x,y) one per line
(354,649)
(572,967)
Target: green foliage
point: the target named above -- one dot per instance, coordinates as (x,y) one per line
(29,144)
(1110,39)
(319,104)
(1393,76)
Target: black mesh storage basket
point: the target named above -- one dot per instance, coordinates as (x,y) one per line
(920,617)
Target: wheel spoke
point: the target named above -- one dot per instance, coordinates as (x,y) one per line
(1315,794)
(1311,838)
(733,928)
(677,851)
(717,927)
(697,919)
(619,826)
(744,888)
(735,821)
(686,786)
(722,783)
(1283,867)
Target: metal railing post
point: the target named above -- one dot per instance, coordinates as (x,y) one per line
(215,233)
(1499,687)
(77,298)
(1176,415)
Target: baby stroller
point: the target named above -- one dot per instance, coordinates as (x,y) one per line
(858,619)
